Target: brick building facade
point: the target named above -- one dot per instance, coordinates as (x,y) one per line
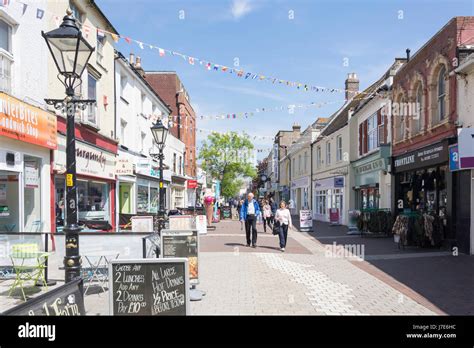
(424,120)
(170,88)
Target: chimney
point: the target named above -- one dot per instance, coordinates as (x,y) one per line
(352,85)
(138,66)
(408,54)
(132,59)
(296,129)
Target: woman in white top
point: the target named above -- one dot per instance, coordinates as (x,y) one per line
(283,217)
(267,215)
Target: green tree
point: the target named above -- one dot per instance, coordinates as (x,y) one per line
(226,157)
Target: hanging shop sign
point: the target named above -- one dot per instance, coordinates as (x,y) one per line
(182,243)
(149,287)
(466,148)
(453,157)
(65,300)
(124,167)
(27,123)
(90,160)
(339,181)
(192,184)
(425,157)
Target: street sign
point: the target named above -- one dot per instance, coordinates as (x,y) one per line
(149,287)
(184,244)
(453,157)
(65,300)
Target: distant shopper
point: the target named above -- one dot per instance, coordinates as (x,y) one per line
(274,209)
(249,212)
(283,218)
(267,216)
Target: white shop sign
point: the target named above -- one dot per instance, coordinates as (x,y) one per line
(90,160)
(466,148)
(32,178)
(301,182)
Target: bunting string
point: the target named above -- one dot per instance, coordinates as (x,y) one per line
(162,52)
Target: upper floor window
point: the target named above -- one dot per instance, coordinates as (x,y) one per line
(442,94)
(123,128)
(300,167)
(372,133)
(418,122)
(328,153)
(142,103)
(174,162)
(142,141)
(100,46)
(318,157)
(180,165)
(123,85)
(92,94)
(5,57)
(76,13)
(339,148)
(305,162)
(293,169)
(5,36)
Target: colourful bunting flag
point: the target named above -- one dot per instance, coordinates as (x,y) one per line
(39,13)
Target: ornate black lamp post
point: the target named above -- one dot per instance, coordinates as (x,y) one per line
(160,131)
(70,52)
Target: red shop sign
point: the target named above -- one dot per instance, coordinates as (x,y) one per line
(192,184)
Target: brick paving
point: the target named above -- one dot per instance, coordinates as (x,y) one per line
(309,279)
(302,281)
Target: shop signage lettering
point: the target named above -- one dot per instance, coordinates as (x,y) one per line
(369,167)
(428,156)
(124,167)
(192,184)
(91,156)
(27,123)
(90,160)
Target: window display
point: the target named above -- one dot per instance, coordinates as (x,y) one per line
(93,203)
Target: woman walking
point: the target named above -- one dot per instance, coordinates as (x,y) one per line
(267,215)
(283,218)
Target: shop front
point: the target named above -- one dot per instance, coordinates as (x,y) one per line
(95,186)
(148,186)
(299,194)
(27,136)
(423,190)
(328,194)
(372,182)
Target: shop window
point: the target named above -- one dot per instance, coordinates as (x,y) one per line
(143,199)
(9,202)
(154,200)
(93,201)
(321,206)
(32,194)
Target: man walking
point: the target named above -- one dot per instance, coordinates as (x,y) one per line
(249,213)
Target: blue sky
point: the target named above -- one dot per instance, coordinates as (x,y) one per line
(310,48)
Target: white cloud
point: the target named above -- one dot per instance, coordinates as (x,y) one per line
(240,8)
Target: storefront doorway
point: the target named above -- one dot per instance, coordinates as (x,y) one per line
(125,198)
(9,202)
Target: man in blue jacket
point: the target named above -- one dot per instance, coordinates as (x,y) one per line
(249,213)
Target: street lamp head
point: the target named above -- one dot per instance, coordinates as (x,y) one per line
(70,51)
(159,131)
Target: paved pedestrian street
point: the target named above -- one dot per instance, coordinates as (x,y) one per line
(304,280)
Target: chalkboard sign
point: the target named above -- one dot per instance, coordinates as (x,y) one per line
(182,243)
(226,212)
(149,287)
(65,300)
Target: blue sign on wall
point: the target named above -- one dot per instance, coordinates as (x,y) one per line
(453,157)
(339,181)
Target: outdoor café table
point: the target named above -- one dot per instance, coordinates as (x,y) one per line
(98,262)
(25,272)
